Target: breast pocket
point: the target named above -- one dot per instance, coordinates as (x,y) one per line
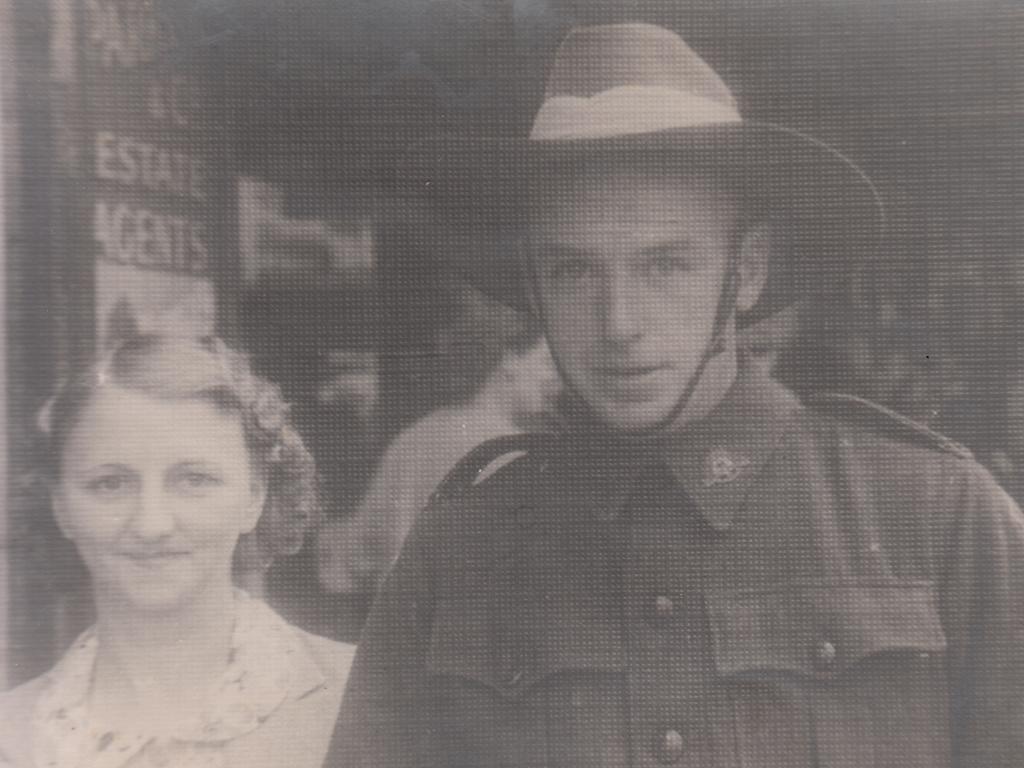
(834,675)
(545,689)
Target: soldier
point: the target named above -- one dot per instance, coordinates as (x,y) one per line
(699,570)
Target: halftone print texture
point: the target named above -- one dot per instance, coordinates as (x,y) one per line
(534,383)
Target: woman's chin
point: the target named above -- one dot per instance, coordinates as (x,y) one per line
(158,600)
(162,585)
(150,595)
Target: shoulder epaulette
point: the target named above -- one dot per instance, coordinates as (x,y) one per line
(485,459)
(878,418)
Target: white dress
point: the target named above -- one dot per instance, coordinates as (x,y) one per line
(275,705)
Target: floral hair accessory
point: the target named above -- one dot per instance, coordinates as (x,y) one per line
(44,417)
(270,411)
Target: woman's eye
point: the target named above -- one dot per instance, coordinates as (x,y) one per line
(200,480)
(108,484)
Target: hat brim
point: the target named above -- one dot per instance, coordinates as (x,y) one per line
(823,203)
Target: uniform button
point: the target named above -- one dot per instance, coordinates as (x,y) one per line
(663,607)
(825,655)
(670,747)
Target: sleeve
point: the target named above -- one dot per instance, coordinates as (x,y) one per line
(386,720)
(355,552)
(982,605)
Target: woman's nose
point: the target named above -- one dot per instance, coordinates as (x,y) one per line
(154,515)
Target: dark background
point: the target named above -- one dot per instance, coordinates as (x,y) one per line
(320,97)
(926,95)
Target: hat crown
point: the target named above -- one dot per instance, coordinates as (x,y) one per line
(595,59)
(633,90)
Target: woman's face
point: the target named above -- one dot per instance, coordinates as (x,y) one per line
(155,494)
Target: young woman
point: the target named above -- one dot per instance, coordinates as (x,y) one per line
(165,456)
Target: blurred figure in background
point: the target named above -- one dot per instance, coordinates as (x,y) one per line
(763,344)
(517,393)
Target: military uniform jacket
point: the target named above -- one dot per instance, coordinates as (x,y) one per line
(786,585)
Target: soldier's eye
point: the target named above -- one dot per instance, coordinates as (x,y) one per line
(108,484)
(568,270)
(666,264)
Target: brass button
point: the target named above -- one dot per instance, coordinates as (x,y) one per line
(670,747)
(825,655)
(663,607)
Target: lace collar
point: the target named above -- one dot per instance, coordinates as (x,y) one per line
(268,664)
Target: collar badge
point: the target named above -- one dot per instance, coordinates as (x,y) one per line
(721,466)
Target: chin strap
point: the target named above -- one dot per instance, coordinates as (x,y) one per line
(715,346)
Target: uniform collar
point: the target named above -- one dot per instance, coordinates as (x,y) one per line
(718,458)
(715,460)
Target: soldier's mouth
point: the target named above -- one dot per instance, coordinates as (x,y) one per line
(629,371)
(156,557)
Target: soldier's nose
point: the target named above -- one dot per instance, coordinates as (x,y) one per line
(620,311)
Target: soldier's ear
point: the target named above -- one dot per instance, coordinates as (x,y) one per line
(754,258)
(526,274)
(59,507)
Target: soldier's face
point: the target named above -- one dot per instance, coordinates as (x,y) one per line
(628,270)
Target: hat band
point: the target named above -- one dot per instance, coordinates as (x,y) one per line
(626,110)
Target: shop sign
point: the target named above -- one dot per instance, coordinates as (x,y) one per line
(155,182)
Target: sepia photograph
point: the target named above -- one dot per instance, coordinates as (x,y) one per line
(512,383)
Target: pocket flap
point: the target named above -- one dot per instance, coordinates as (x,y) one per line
(515,656)
(821,630)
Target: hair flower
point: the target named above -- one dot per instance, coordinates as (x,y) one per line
(270,412)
